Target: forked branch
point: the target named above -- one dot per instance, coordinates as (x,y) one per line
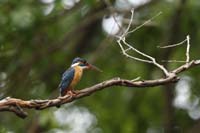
(122,43)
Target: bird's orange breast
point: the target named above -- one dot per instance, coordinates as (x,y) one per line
(77,76)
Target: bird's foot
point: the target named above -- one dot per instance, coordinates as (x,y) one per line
(69,95)
(75,92)
(72,93)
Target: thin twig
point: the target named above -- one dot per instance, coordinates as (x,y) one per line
(129,25)
(188,49)
(176,61)
(138,27)
(173,45)
(135,79)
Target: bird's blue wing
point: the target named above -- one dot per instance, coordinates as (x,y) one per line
(67,78)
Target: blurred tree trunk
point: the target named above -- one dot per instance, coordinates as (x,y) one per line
(34,126)
(195,128)
(173,35)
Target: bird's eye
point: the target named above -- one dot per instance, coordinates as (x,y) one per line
(82,63)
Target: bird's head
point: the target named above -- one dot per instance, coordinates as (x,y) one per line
(83,64)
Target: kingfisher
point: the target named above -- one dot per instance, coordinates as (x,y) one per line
(72,76)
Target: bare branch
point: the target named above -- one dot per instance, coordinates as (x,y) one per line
(122,38)
(17,105)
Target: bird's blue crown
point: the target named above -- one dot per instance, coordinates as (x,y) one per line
(78,59)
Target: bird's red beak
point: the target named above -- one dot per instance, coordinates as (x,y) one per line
(90,66)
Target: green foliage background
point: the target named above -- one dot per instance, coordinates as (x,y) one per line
(35,49)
